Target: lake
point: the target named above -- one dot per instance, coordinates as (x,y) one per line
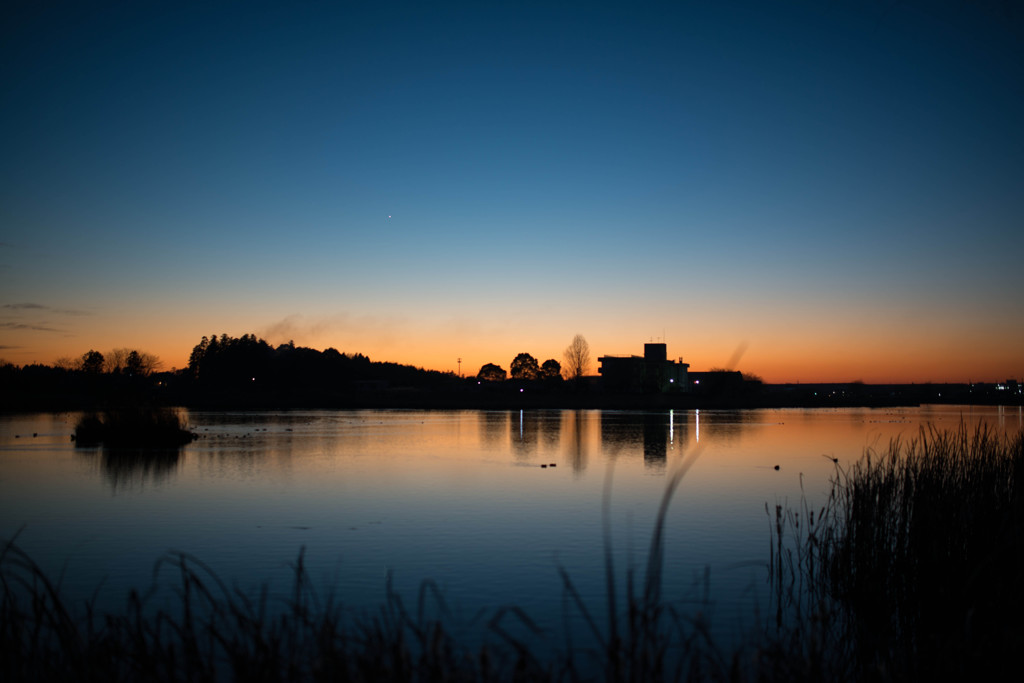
(486,504)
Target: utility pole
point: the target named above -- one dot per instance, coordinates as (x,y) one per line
(460,367)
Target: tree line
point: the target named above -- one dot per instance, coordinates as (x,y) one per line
(221,370)
(249,362)
(524,367)
(94,378)
(247,370)
(131,362)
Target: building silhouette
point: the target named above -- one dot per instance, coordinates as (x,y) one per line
(652,373)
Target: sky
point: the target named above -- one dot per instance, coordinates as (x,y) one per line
(806,191)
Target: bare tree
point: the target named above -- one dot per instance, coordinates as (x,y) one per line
(115,360)
(140,363)
(577,358)
(131,362)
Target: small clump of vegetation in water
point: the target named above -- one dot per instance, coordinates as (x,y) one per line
(138,427)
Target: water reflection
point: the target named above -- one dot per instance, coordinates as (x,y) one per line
(664,435)
(1011,416)
(129,468)
(725,427)
(493,427)
(655,440)
(579,428)
(535,431)
(243,445)
(437,494)
(571,437)
(550,431)
(525,438)
(620,433)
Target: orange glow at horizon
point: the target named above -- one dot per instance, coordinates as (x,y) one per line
(777,355)
(614,181)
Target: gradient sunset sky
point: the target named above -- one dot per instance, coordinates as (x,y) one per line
(809,191)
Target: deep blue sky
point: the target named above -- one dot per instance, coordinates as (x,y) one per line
(837,185)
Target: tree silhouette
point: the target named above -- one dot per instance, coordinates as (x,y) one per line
(131,362)
(134,365)
(226,366)
(115,360)
(92,362)
(577,358)
(524,366)
(551,370)
(231,362)
(491,373)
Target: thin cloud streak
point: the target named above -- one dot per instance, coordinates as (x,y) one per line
(29,306)
(25,306)
(26,326)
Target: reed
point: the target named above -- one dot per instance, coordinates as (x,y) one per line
(912,568)
(213,633)
(646,638)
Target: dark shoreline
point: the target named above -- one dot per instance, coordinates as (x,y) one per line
(511,396)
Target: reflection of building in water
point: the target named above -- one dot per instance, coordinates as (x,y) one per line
(663,438)
(657,436)
(620,433)
(653,373)
(656,430)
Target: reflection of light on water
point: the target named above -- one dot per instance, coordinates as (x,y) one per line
(520,425)
(671,427)
(1020,416)
(696,415)
(1003,417)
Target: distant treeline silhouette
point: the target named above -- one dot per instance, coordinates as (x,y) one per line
(524,368)
(246,372)
(222,371)
(121,376)
(248,363)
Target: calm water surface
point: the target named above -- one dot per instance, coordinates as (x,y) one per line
(486,504)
